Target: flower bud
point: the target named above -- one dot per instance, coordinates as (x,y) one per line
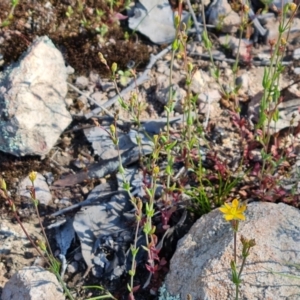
(292,7)
(2,184)
(114,67)
(32,176)
(156,170)
(112,129)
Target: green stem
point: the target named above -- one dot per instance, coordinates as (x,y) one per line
(237,292)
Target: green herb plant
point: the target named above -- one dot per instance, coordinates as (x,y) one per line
(8,20)
(42,247)
(233,213)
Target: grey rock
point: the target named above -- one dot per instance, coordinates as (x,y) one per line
(73,267)
(264,56)
(99,97)
(243,82)
(64,235)
(42,191)
(82,82)
(162,96)
(206,99)
(65,201)
(112,94)
(289,114)
(297,71)
(94,78)
(98,228)
(163,67)
(107,86)
(200,82)
(233,43)
(227,24)
(296,54)
(155,20)
(32,92)
(33,283)
(203,256)
(49,177)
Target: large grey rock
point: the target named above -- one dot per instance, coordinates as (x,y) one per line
(33,283)
(201,264)
(32,92)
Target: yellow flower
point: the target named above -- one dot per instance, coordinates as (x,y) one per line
(32,176)
(156,170)
(283,41)
(292,7)
(233,211)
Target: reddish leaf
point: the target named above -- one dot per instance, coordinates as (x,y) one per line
(119,16)
(135,288)
(131,297)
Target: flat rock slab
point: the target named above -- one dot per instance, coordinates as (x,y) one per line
(33,283)
(154,19)
(201,264)
(32,92)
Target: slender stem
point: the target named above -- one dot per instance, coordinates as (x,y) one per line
(243,263)
(27,235)
(133,264)
(234,246)
(43,230)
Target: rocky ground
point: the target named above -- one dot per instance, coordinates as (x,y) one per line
(64,141)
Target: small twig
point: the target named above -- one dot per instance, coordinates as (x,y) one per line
(195,20)
(143,78)
(205,124)
(180,172)
(91,99)
(229,60)
(85,202)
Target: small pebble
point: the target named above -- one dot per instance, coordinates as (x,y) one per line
(73,267)
(69,101)
(112,94)
(297,71)
(70,70)
(65,201)
(107,86)
(296,54)
(82,82)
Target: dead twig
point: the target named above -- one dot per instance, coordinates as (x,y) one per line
(135,83)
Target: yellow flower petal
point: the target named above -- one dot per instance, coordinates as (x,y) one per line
(228,217)
(235,203)
(240,216)
(224,210)
(243,208)
(228,206)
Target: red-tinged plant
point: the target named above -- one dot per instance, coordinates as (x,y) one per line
(166,215)
(219,166)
